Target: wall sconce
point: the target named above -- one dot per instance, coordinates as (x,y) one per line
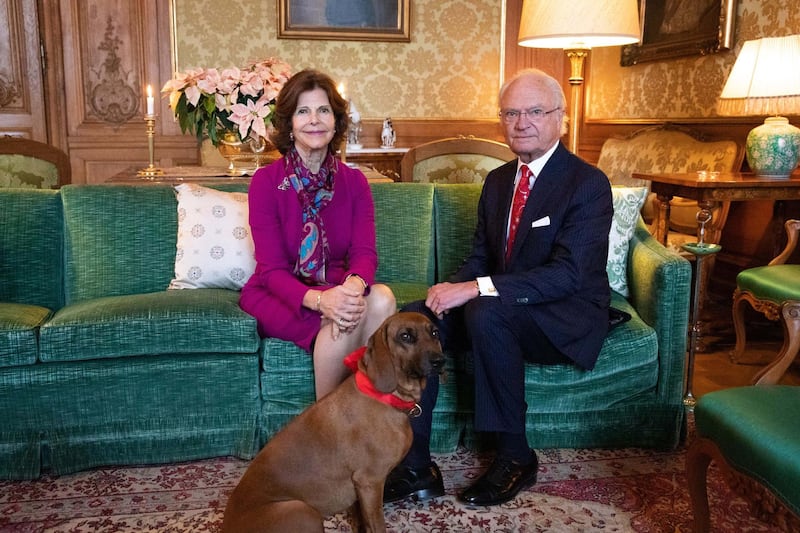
(765,80)
(577,27)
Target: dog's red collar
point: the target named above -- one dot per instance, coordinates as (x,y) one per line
(366,387)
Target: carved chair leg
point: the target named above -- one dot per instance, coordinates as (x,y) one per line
(738,326)
(790,319)
(698,457)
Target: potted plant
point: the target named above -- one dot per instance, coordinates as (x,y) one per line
(233,107)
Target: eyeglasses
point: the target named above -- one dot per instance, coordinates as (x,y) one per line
(535,114)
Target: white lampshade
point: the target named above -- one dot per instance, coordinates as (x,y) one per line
(765,80)
(581,24)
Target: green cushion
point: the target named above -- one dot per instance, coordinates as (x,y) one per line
(19,324)
(31,263)
(72,416)
(456,215)
(757,431)
(776,283)
(626,368)
(189,321)
(119,240)
(404,232)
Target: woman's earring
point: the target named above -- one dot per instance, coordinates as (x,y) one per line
(291,136)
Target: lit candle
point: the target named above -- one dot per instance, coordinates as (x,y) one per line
(341,90)
(151,104)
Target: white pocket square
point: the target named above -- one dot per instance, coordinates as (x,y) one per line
(544,221)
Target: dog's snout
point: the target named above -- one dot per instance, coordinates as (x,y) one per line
(437,363)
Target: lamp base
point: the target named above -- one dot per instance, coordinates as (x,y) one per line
(773,148)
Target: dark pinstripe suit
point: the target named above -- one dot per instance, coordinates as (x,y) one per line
(553,293)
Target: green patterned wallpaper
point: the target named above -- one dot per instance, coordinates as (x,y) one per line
(449,70)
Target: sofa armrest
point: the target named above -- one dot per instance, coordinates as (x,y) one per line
(659,282)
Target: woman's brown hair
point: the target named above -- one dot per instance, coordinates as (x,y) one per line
(286,104)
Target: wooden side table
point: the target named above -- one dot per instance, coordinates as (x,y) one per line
(707,191)
(383,160)
(727,186)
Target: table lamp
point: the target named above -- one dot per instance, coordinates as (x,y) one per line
(578,26)
(765,80)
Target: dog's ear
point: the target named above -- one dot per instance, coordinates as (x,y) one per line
(378,360)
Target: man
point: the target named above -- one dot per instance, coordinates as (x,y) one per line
(541,299)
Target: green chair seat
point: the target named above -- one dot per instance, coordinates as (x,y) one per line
(186,321)
(757,432)
(775,283)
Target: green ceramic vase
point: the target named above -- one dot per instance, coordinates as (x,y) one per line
(773,148)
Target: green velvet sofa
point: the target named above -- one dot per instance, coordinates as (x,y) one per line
(101,364)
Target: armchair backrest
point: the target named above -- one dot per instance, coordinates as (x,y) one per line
(666,148)
(454,160)
(29,164)
(670,149)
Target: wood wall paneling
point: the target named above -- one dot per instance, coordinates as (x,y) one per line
(110,50)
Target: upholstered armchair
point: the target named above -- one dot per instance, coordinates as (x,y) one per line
(773,290)
(670,148)
(453,160)
(751,433)
(32,165)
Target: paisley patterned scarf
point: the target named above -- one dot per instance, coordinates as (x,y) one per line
(314,191)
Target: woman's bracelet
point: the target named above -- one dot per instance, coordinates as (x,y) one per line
(364,283)
(319,300)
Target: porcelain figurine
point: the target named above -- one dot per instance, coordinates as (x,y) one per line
(387,134)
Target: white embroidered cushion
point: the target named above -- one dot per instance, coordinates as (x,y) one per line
(215,247)
(627,204)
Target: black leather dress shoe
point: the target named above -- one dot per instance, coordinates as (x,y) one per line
(418,483)
(501,482)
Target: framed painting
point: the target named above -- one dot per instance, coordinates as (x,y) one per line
(676,28)
(345,20)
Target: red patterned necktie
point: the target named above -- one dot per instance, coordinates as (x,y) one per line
(520,197)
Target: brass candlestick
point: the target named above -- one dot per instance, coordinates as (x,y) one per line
(151,170)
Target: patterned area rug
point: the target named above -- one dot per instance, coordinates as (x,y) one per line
(578,490)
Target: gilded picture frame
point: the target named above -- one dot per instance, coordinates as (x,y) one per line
(345,20)
(678,28)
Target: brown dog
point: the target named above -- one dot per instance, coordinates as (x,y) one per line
(337,453)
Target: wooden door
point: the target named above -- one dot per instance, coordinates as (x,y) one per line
(22,105)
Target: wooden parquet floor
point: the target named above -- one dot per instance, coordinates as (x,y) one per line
(713,366)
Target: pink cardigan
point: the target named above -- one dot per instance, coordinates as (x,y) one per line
(274,295)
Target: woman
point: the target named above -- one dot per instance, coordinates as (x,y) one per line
(313,224)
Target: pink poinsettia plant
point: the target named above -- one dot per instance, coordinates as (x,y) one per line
(213,102)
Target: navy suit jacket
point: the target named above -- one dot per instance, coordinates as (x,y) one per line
(557,269)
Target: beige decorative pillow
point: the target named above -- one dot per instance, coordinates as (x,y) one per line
(215,247)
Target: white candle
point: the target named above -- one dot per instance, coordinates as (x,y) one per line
(342,91)
(151,104)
